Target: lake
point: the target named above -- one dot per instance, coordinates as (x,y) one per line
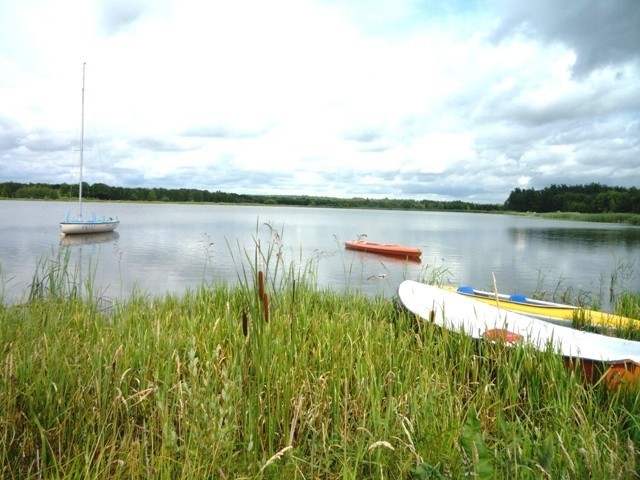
(168,248)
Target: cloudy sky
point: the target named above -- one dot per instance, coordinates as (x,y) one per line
(465,99)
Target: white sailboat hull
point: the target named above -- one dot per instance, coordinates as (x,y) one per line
(88,226)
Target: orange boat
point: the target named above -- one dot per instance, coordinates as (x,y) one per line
(410,253)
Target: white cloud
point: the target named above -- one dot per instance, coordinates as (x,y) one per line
(383,99)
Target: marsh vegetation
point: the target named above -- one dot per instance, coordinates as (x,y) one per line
(276,378)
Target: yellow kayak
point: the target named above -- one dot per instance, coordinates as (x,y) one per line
(550,311)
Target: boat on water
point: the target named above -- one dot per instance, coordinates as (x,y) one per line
(410,253)
(560,313)
(80,225)
(618,359)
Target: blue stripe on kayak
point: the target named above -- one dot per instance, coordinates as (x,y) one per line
(466,289)
(516,297)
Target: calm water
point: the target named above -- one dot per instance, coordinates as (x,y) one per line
(160,248)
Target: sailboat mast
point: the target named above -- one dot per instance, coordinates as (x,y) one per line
(94,224)
(84,65)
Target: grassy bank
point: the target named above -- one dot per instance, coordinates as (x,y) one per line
(275,379)
(625,218)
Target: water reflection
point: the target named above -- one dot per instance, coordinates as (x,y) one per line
(88,239)
(621,236)
(382,258)
(84,269)
(163,248)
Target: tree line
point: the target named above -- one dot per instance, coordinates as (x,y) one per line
(592,198)
(100,191)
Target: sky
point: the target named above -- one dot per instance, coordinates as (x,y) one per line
(405,99)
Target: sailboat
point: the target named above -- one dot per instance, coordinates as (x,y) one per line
(93,224)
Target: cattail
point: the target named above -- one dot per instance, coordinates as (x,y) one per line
(245,326)
(265,304)
(260,285)
(115,357)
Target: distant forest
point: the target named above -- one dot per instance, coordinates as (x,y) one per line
(592,198)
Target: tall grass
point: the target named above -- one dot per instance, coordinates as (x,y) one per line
(626,218)
(55,278)
(275,378)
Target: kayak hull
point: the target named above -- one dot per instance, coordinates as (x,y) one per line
(384,249)
(549,311)
(487,322)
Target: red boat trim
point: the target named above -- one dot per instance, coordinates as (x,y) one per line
(502,335)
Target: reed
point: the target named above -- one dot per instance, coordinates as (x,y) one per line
(277,378)
(54,278)
(626,218)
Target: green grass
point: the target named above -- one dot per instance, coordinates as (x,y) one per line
(334,386)
(625,218)
(275,378)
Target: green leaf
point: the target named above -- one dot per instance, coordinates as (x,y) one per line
(473,445)
(426,472)
(545,453)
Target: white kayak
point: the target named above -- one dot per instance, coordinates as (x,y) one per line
(483,321)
